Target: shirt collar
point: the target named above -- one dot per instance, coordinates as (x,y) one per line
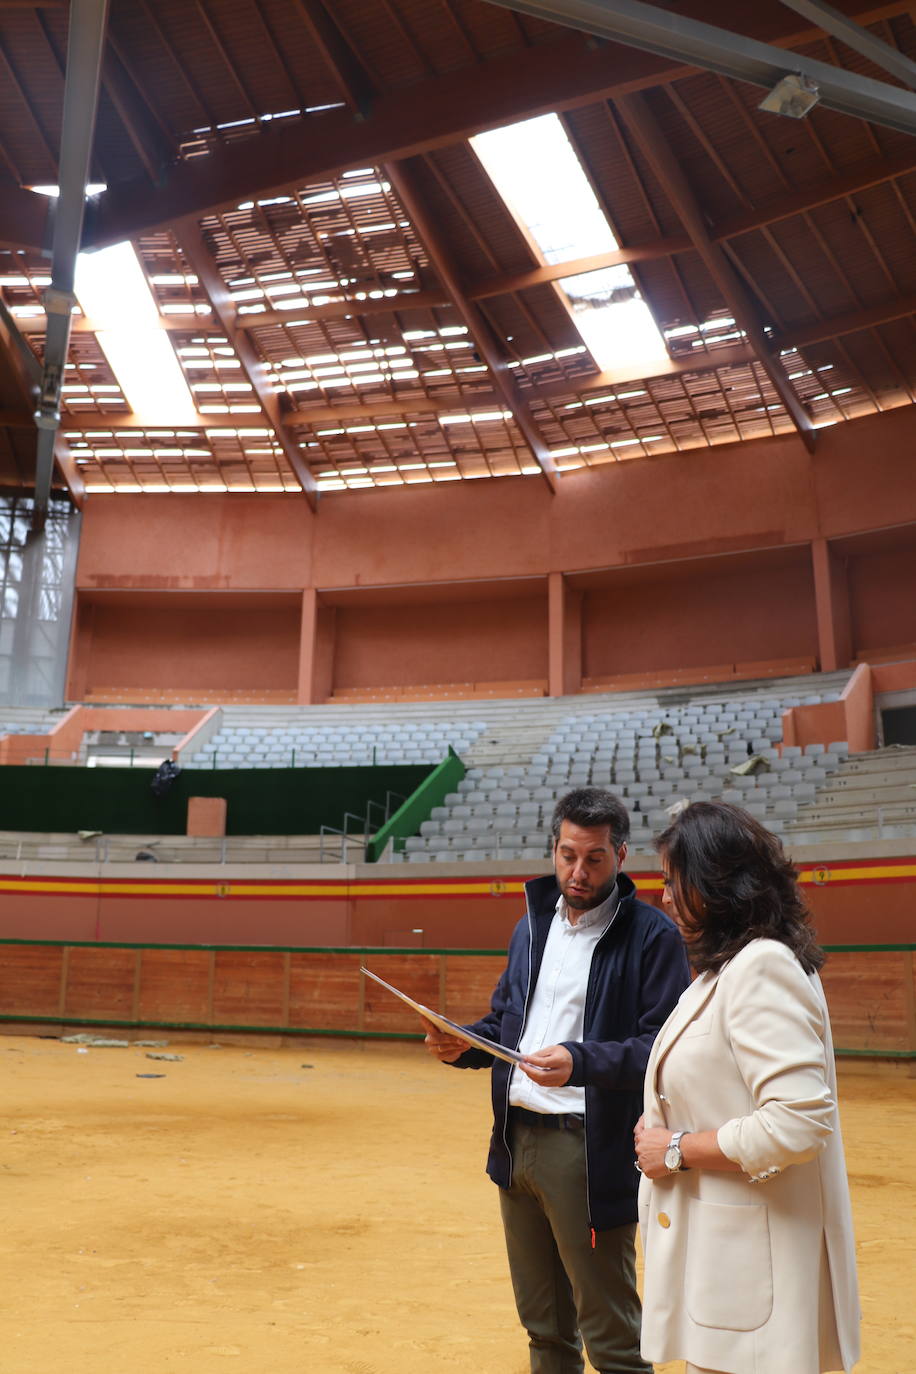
(597,915)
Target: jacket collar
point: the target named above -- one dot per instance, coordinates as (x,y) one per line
(542,895)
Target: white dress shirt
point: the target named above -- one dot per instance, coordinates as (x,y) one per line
(556,1009)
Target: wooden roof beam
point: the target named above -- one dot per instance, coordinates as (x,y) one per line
(192,244)
(69,470)
(499,285)
(644,129)
(565,74)
(406,183)
(455,105)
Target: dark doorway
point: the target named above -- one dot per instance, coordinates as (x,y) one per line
(899,725)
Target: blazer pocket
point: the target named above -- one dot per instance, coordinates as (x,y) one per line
(729,1283)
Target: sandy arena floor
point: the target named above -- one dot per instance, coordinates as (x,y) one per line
(315,1210)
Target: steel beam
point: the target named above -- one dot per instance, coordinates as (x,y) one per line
(85,41)
(643,127)
(678,38)
(854,36)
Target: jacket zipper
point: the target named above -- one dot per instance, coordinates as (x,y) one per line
(521,1032)
(585,1022)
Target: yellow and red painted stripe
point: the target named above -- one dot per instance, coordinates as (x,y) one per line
(843,873)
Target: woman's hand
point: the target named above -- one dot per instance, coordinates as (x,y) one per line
(651,1144)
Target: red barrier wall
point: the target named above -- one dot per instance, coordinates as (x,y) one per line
(865,900)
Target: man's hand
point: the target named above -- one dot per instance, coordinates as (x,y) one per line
(445,1048)
(551,1067)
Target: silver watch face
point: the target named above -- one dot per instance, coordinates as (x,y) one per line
(673,1158)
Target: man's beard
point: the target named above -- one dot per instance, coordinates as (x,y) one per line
(593,899)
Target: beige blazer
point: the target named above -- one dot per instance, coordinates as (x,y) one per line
(751,1273)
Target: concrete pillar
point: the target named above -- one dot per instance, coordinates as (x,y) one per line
(308,643)
(831,597)
(564,637)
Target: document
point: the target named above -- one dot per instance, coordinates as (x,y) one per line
(450,1027)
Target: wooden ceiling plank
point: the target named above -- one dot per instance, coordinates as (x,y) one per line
(228,61)
(207,115)
(349,71)
(29,106)
(455,105)
(406,184)
(627,155)
(862,177)
(341,310)
(835,326)
(191,242)
(152,142)
(645,130)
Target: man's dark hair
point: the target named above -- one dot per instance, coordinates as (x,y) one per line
(732,884)
(591,807)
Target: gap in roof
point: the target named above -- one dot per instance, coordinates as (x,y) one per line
(535,168)
(114,293)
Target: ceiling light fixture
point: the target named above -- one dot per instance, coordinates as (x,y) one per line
(793,96)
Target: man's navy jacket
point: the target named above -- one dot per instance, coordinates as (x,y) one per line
(638,972)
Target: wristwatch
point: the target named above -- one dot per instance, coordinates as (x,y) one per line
(674,1160)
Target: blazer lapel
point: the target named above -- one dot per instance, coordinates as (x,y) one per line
(688,1009)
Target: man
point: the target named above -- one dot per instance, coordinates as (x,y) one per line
(592,973)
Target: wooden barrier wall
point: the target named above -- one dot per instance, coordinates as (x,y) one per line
(294,991)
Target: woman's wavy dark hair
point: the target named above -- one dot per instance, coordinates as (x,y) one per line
(733,883)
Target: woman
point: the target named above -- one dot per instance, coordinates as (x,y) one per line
(744,1203)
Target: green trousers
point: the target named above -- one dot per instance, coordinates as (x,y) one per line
(567,1292)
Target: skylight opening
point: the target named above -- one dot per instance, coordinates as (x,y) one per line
(114,293)
(93,188)
(535,169)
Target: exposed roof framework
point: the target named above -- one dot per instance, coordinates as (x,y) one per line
(354,305)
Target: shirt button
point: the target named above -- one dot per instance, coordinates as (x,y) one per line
(664,1220)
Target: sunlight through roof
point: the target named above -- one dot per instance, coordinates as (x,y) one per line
(113,292)
(534,167)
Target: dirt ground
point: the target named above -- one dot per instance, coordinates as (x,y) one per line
(320,1209)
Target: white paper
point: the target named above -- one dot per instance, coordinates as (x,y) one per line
(450,1027)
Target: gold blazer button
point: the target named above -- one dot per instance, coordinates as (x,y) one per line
(664,1220)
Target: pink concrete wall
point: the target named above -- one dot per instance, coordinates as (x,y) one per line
(882,590)
(735,610)
(212,648)
(759,495)
(453,642)
(769,495)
